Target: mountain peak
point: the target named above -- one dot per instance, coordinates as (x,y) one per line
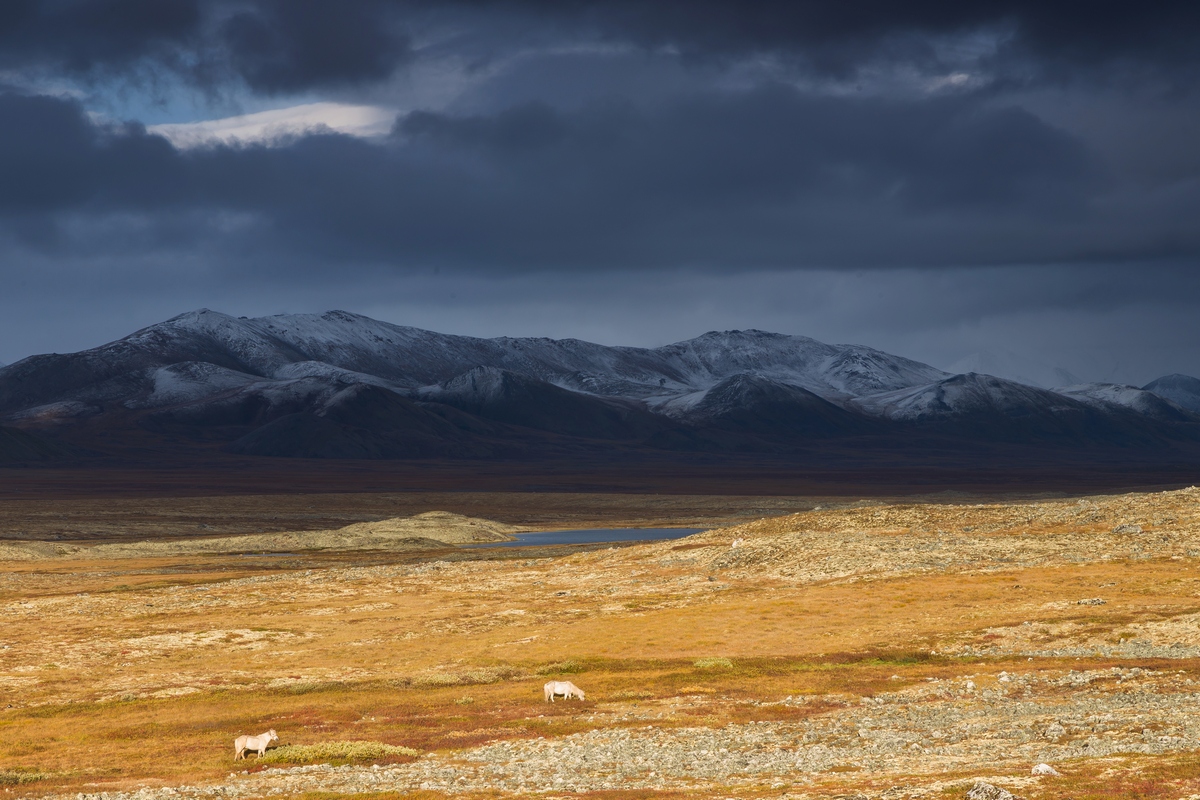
(1183,390)
(747,334)
(194,316)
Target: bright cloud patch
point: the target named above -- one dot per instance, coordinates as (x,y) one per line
(280,124)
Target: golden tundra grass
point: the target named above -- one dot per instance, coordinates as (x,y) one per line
(143,673)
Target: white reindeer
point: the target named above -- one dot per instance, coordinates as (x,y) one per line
(260,743)
(564,688)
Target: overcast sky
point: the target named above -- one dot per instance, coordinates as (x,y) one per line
(1014,184)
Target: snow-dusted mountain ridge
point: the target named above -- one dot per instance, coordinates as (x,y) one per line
(222,350)
(1112,395)
(413,357)
(344,385)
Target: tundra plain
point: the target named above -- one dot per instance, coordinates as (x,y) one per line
(847,648)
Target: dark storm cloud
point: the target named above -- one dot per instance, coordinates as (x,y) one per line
(53,158)
(290,45)
(762,178)
(923,177)
(839,34)
(271,45)
(95,34)
(295,45)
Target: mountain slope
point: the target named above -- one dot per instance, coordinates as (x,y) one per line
(825,370)
(508,397)
(1183,390)
(1116,397)
(360,421)
(18,446)
(750,403)
(750,413)
(966,395)
(987,408)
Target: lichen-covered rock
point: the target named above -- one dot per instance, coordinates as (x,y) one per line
(982,790)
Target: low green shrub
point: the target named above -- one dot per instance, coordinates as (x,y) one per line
(463,677)
(18,776)
(309,687)
(713,663)
(335,752)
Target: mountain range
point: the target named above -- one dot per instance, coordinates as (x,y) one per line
(341,385)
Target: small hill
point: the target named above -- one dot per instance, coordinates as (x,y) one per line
(430,530)
(441,526)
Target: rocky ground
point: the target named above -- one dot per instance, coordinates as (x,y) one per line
(886,540)
(927,731)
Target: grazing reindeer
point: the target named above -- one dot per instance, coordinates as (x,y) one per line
(260,743)
(564,688)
